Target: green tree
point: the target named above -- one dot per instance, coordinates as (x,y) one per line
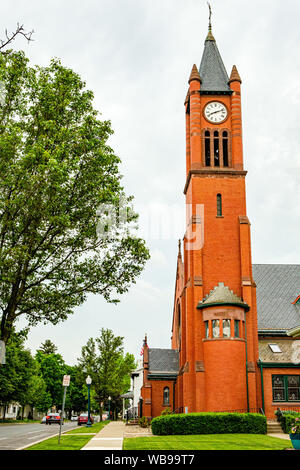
(48,347)
(52,369)
(104,360)
(37,395)
(16,375)
(59,181)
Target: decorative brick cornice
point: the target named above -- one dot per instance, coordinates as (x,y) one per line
(198,281)
(211,172)
(199,366)
(243,219)
(251,367)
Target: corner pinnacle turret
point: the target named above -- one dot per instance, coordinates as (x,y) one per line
(235,76)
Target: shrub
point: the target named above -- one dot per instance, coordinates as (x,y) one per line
(210,423)
(292,424)
(286,418)
(143,422)
(166,411)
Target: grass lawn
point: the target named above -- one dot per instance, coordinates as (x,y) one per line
(72,440)
(94,429)
(207,442)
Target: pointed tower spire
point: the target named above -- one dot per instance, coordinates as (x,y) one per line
(210,36)
(235,76)
(212,70)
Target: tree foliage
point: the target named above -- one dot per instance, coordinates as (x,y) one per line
(48,347)
(16,374)
(104,360)
(58,176)
(52,369)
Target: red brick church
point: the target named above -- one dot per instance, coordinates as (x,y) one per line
(236,326)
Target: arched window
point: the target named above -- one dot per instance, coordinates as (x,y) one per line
(166,396)
(225,149)
(207,148)
(216,148)
(219,205)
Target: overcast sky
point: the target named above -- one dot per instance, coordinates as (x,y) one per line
(136,56)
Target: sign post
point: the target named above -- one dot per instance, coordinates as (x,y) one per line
(66,383)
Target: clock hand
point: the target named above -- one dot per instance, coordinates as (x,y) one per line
(214,112)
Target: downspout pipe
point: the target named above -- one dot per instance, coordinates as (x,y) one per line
(247,381)
(262,386)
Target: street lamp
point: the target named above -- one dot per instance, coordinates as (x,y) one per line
(109,398)
(88,382)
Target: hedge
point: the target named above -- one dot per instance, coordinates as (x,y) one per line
(209,423)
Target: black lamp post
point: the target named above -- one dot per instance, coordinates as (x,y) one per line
(109,398)
(88,382)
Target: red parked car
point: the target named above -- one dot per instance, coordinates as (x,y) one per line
(53,418)
(83,419)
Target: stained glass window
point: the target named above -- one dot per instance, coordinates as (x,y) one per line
(206,329)
(278,388)
(286,388)
(216,328)
(226,328)
(293,382)
(166,396)
(236,328)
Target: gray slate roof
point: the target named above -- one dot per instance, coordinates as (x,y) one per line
(163,361)
(278,286)
(289,351)
(212,70)
(221,294)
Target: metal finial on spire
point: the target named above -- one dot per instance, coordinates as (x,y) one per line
(210,15)
(210,36)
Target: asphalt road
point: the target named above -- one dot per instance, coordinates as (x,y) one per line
(17,436)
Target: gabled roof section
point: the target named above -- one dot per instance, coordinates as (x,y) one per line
(163,361)
(288,352)
(212,71)
(222,295)
(277,288)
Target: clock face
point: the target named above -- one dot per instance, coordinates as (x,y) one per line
(215,112)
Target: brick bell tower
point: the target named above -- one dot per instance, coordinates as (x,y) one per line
(215,317)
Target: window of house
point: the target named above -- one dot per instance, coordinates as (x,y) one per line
(275,348)
(216,148)
(225,149)
(226,328)
(216,328)
(286,388)
(166,396)
(236,328)
(206,329)
(207,148)
(219,205)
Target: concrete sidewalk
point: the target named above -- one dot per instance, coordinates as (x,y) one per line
(109,438)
